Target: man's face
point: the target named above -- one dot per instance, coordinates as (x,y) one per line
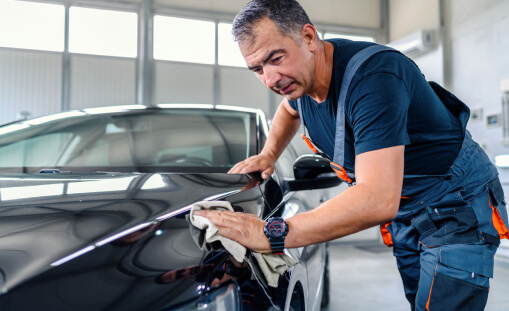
(282,64)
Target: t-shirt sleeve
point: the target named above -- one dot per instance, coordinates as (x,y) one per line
(293,104)
(378,112)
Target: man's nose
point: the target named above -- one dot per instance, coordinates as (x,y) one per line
(272,77)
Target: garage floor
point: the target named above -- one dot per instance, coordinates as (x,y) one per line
(364,277)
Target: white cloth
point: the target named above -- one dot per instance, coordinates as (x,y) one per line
(205,235)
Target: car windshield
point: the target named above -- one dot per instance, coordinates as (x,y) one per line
(137,141)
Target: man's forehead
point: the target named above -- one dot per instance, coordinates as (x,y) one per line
(262,45)
(262,31)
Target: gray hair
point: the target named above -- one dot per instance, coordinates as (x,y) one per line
(288,15)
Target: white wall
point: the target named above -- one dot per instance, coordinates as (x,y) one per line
(479,41)
(479,45)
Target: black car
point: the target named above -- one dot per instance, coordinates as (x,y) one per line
(93,205)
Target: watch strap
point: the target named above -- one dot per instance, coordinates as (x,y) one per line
(277,246)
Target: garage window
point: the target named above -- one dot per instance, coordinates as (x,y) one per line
(103,32)
(30,25)
(229,52)
(184,40)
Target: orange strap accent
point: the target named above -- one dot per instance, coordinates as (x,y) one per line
(429,296)
(310,145)
(407,198)
(498,222)
(340,171)
(433,281)
(386,235)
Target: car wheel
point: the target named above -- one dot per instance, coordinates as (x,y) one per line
(326,282)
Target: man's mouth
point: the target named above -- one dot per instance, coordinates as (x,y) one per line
(286,89)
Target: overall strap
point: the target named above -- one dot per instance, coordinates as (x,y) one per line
(338,161)
(308,141)
(353,65)
(299,108)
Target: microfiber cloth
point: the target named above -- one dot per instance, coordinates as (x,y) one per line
(205,235)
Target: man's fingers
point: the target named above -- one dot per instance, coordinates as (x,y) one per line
(213,215)
(253,164)
(236,168)
(229,224)
(266,174)
(243,168)
(228,233)
(245,228)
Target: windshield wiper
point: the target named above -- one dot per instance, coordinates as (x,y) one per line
(50,171)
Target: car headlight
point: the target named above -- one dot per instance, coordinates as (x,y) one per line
(224,298)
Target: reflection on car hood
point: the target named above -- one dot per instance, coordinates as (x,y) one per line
(62,223)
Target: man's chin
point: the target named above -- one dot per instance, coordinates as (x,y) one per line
(293,95)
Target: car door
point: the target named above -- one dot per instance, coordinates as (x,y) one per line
(312,257)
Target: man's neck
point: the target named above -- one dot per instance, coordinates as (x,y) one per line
(323,72)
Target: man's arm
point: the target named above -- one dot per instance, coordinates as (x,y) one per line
(284,126)
(372,201)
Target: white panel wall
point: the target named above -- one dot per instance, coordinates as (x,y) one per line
(240,87)
(183,83)
(102,81)
(480,42)
(30,81)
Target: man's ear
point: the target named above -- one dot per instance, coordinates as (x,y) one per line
(309,36)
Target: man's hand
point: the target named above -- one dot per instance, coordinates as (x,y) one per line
(244,228)
(263,163)
(284,126)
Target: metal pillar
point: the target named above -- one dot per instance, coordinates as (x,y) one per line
(145,62)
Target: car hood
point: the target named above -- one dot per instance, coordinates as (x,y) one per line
(109,233)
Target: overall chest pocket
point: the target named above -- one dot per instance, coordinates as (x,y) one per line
(448,221)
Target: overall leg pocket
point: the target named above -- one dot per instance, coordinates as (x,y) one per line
(498,206)
(450,294)
(461,279)
(490,209)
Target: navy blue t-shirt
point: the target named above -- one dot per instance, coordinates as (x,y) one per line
(389,103)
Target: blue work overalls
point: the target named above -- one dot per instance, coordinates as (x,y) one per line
(449,226)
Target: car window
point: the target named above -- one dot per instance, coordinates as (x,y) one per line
(180,138)
(31,151)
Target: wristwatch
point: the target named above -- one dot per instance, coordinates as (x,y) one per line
(276,230)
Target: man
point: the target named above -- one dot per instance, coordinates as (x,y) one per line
(417,170)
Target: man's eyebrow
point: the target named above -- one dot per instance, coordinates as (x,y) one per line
(269,56)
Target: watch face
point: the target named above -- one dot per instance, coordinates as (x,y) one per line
(276,228)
